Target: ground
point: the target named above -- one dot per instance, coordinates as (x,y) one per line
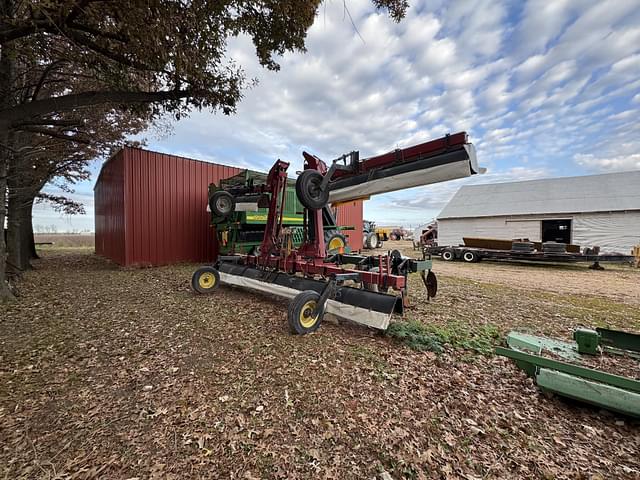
(122,373)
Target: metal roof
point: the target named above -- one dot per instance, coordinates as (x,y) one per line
(607,192)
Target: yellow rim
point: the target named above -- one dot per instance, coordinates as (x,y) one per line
(206,280)
(336,243)
(306,320)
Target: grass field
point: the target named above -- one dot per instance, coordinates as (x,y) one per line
(113,373)
(65,240)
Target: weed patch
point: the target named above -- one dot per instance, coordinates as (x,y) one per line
(423,337)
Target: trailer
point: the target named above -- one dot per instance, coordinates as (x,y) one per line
(524,254)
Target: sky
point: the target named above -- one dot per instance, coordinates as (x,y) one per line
(544,89)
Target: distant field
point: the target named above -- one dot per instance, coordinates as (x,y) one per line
(66,240)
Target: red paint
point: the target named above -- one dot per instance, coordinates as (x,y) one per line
(150,209)
(350,214)
(426,149)
(294,262)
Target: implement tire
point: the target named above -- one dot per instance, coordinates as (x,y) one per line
(334,242)
(308,189)
(205,280)
(299,313)
(222,203)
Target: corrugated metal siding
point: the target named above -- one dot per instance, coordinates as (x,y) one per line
(350,215)
(167,221)
(150,209)
(110,210)
(612,232)
(451,230)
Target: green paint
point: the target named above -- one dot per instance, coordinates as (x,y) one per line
(607,396)
(535,344)
(583,372)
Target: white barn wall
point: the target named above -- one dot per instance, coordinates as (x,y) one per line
(616,231)
(613,232)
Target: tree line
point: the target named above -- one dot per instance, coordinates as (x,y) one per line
(78,77)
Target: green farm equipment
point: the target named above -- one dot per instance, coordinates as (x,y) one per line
(243,230)
(567,368)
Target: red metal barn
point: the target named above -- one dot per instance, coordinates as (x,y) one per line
(150,209)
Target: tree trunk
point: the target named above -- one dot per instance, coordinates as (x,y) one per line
(7,61)
(18,222)
(33,253)
(5,293)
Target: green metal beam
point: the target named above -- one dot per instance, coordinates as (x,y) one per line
(612,398)
(618,339)
(589,373)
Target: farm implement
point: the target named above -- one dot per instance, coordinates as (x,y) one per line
(568,368)
(363,289)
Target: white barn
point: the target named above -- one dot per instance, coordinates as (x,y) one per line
(594,210)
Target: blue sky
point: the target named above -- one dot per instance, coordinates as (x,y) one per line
(544,88)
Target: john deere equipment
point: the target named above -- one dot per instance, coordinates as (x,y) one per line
(242,230)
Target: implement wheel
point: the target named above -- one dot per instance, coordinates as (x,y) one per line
(334,242)
(205,280)
(222,203)
(309,191)
(300,312)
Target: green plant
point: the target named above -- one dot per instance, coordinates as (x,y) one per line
(421,336)
(415,335)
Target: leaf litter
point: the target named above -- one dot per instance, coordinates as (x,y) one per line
(234,395)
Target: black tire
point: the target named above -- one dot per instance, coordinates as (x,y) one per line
(470,256)
(222,203)
(309,192)
(205,280)
(448,255)
(372,240)
(334,241)
(299,313)
(379,243)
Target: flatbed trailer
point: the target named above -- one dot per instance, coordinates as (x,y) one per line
(474,255)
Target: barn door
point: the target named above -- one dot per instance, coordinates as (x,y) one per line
(556,231)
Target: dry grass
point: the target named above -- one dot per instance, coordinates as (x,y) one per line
(111,373)
(65,240)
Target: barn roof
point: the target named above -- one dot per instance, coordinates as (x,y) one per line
(592,193)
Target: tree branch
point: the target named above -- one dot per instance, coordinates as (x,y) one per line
(55,134)
(46,106)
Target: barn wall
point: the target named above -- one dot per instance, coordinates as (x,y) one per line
(350,215)
(451,230)
(166,200)
(109,207)
(613,232)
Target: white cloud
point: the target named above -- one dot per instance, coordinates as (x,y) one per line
(609,164)
(550,87)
